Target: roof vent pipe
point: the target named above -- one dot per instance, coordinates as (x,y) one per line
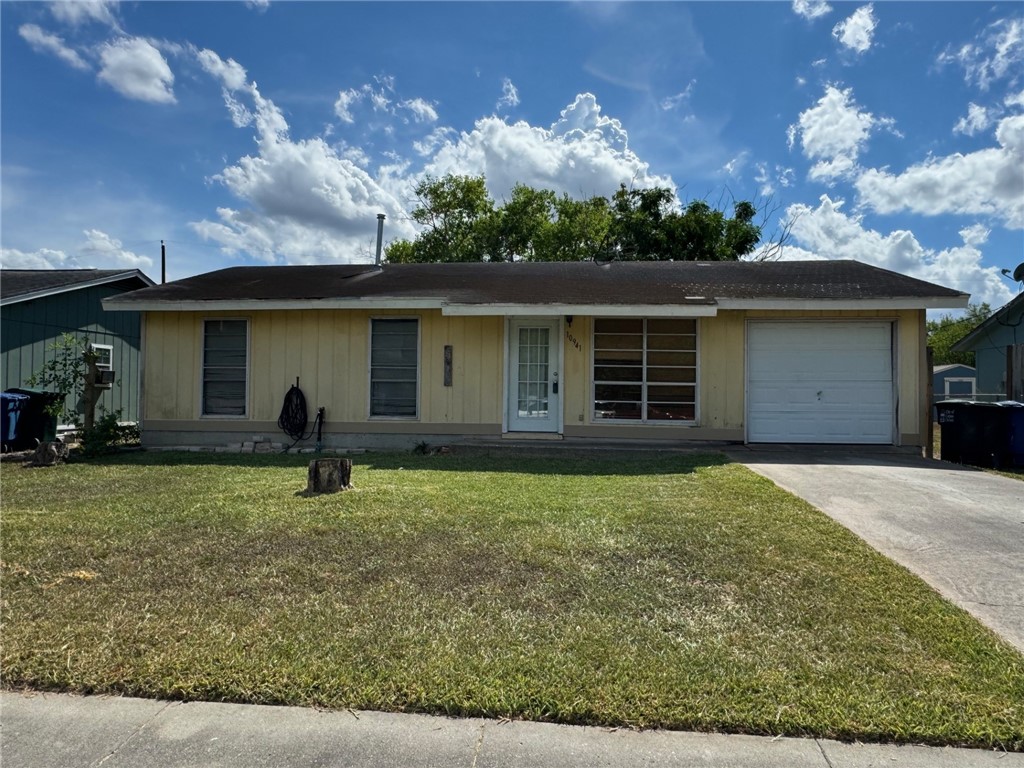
(380,235)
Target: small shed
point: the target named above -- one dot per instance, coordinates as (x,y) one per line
(954,382)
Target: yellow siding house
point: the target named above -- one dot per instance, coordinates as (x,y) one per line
(793,352)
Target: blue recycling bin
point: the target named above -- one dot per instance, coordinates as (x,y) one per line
(11,406)
(35,424)
(1015,433)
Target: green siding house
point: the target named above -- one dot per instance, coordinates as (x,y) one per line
(37,306)
(988,342)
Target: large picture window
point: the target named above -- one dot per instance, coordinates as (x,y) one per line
(394,368)
(645,370)
(225,367)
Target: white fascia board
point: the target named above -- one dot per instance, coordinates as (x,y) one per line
(603,310)
(845,304)
(253,305)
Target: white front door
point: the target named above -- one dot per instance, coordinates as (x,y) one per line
(534,367)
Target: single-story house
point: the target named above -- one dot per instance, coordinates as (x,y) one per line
(954,381)
(37,306)
(988,342)
(799,351)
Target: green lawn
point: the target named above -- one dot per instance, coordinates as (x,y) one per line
(642,590)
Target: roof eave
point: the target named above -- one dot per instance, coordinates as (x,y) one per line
(54,291)
(894,303)
(966,344)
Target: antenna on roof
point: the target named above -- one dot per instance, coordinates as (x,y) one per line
(380,235)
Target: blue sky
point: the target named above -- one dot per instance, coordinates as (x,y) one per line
(273,133)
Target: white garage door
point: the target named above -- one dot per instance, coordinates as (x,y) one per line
(819,382)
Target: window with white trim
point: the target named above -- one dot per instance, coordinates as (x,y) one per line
(394,367)
(104,356)
(225,367)
(645,370)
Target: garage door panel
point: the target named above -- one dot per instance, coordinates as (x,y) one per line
(828,382)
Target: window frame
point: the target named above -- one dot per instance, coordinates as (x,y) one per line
(371,416)
(109,348)
(202,368)
(644,382)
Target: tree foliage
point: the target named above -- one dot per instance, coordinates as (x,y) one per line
(64,373)
(948,330)
(462,223)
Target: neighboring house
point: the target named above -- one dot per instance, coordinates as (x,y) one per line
(805,352)
(38,305)
(953,382)
(988,342)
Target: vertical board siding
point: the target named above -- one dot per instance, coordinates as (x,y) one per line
(28,330)
(328,350)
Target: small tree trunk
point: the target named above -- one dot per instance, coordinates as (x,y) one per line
(329,475)
(91,395)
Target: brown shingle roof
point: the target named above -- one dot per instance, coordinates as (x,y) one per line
(563,283)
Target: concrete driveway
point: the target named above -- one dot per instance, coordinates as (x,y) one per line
(959,529)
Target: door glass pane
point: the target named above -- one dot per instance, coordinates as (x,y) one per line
(533,373)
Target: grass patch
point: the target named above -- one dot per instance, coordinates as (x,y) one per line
(635,590)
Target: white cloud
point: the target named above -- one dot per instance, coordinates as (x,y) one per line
(833,132)
(977,119)
(670,103)
(811,9)
(734,166)
(509,95)
(304,201)
(422,111)
(583,153)
(44,42)
(136,69)
(996,53)
(230,73)
(856,31)
(258,5)
(989,182)
(44,258)
(381,102)
(75,12)
(109,251)
(429,144)
(307,202)
(99,251)
(346,100)
(771,179)
(825,231)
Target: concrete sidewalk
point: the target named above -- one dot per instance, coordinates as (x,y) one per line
(41,730)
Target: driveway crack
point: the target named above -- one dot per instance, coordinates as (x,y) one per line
(479,743)
(136,732)
(825,756)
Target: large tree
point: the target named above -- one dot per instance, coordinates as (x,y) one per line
(462,223)
(948,330)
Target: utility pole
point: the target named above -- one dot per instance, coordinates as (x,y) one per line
(163,263)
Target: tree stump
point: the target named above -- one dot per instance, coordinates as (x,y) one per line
(329,475)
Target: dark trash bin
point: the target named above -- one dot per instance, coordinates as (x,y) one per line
(1015,432)
(975,433)
(34,422)
(11,405)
